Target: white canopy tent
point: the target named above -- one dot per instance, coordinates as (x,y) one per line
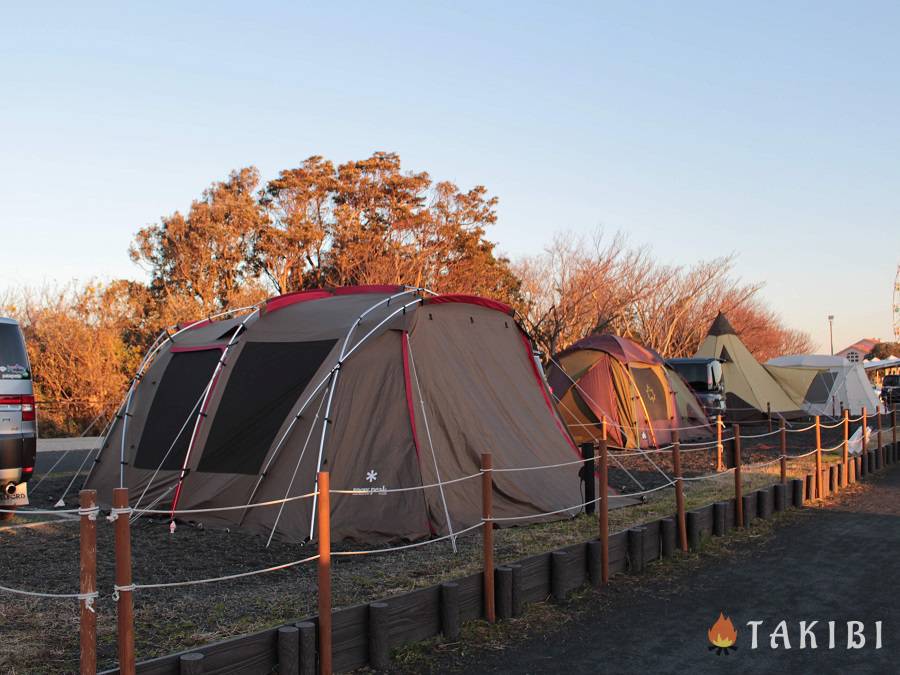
(824,385)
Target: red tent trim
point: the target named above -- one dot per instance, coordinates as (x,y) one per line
(404,348)
(540,382)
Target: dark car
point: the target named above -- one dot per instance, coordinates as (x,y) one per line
(890,391)
(704,376)
(18,424)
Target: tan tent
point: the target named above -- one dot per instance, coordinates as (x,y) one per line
(749,388)
(385,387)
(824,385)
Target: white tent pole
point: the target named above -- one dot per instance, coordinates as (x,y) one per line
(327,378)
(437,471)
(287,492)
(336,372)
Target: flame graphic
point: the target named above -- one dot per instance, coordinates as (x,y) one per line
(722,633)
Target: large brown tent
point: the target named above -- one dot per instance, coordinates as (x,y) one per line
(612,378)
(385,387)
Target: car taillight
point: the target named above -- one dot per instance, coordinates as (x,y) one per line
(25,403)
(28,469)
(27,408)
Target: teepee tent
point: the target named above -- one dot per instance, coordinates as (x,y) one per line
(605,376)
(749,388)
(824,385)
(385,387)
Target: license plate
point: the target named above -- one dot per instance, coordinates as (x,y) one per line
(18,498)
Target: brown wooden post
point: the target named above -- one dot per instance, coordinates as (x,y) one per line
(738,497)
(679,494)
(769,415)
(125,606)
(865,425)
(88,579)
(894,427)
(783,461)
(487,491)
(603,511)
(880,439)
(819,487)
(846,453)
(323,518)
(720,465)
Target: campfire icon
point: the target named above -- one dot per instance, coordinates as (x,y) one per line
(722,635)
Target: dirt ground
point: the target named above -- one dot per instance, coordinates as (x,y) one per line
(40,635)
(828,563)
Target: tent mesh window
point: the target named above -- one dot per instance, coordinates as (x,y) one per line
(820,388)
(267,380)
(175,403)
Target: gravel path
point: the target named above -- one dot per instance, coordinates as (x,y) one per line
(833,563)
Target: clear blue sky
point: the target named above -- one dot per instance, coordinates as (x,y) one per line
(769,129)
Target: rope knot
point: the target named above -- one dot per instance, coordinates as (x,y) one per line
(115,512)
(91,512)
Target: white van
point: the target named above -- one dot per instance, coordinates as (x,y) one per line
(18,422)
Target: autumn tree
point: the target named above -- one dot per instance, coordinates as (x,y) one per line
(200,262)
(368,222)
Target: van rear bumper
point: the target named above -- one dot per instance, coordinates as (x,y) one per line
(18,451)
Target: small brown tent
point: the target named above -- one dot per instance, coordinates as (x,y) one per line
(383,386)
(606,377)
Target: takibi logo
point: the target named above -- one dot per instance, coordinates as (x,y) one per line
(722,635)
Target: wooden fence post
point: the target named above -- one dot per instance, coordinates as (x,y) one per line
(820,492)
(487,489)
(603,511)
(783,458)
(846,449)
(679,494)
(880,439)
(88,580)
(738,502)
(894,429)
(323,518)
(769,415)
(125,607)
(720,465)
(865,424)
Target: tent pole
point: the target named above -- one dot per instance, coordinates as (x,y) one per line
(614,458)
(287,492)
(437,473)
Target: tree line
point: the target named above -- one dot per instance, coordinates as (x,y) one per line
(363,222)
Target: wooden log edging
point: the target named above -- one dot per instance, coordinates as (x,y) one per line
(441,609)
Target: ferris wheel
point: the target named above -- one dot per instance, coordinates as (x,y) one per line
(896,306)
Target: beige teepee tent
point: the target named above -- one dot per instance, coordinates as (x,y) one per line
(749,389)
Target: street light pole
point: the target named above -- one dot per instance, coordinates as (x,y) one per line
(831,332)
